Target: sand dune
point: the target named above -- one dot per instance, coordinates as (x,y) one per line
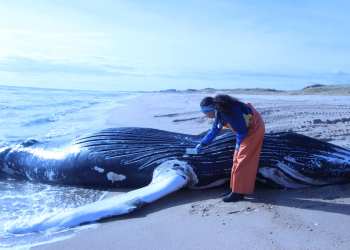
(312,89)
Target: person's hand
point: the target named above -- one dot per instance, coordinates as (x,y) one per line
(194,151)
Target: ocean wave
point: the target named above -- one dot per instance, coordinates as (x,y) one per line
(23,201)
(31,106)
(58,115)
(43,115)
(40,121)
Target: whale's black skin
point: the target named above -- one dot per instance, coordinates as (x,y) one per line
(126,157)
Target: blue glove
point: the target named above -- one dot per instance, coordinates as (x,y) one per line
(194,151)
(198,147)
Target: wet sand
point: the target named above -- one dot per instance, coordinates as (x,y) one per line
(313,218)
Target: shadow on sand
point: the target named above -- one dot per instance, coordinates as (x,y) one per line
(327,199)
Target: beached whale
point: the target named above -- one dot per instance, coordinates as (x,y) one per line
(155,162)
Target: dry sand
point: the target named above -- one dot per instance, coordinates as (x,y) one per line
(313,218)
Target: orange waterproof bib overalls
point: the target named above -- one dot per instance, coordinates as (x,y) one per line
(246,160)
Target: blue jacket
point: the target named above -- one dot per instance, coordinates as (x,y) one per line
(238,120)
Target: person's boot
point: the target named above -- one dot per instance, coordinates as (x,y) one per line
(225,194)
(233,197)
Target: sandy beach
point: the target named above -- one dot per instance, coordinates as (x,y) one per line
(312,218)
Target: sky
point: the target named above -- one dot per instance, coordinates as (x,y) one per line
(158,44)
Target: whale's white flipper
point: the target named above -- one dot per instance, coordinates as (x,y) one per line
(168,177)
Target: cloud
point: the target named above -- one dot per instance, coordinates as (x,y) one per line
(26,65)
(42,66)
